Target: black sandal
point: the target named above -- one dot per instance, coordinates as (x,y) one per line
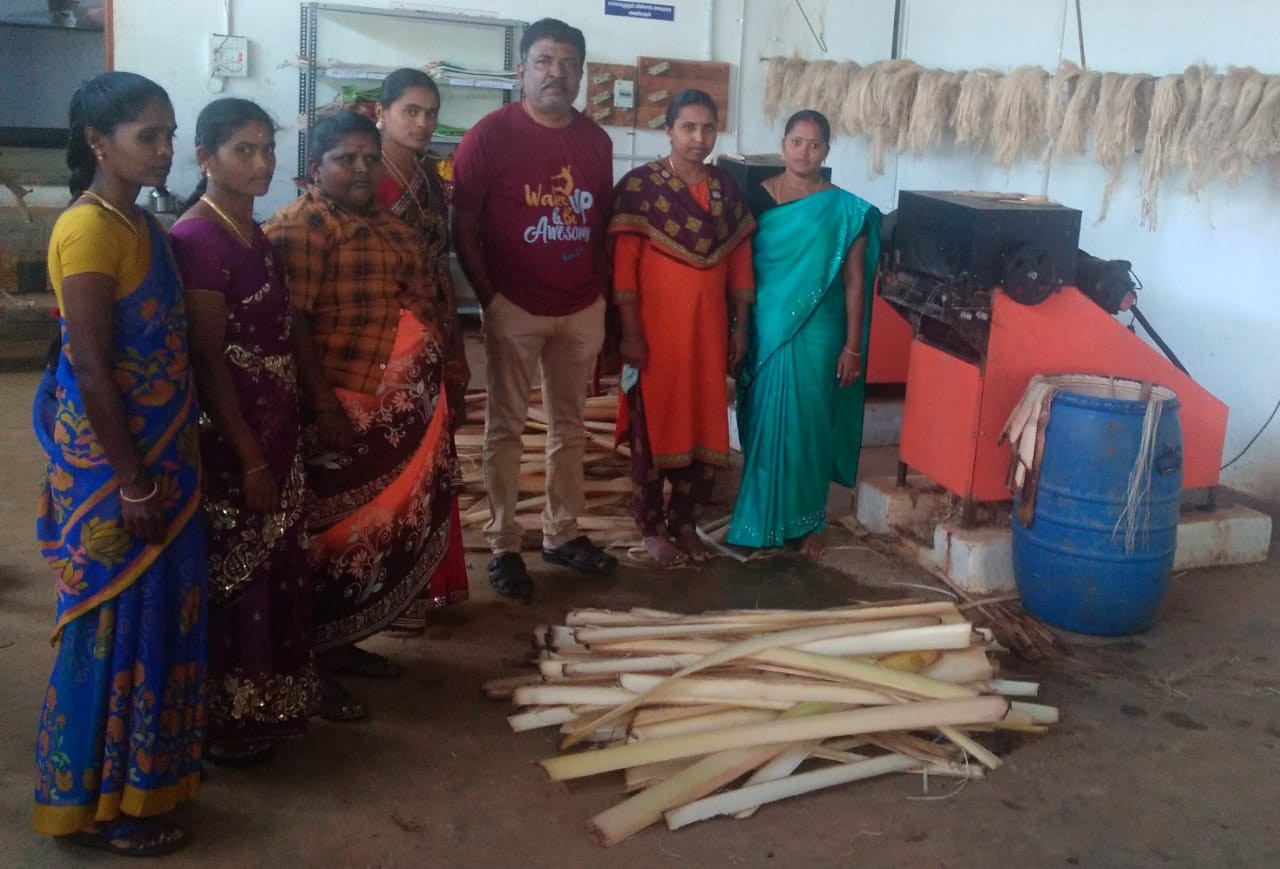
(133,838)
(509,578)
(240,756)
(338,704)
(581,554)
(355,661)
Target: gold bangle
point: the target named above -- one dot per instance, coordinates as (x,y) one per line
(256,468)
(847,352)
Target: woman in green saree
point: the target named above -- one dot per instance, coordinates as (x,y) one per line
(800,393)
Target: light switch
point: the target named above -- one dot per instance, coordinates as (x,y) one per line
(228,56)
(624,94)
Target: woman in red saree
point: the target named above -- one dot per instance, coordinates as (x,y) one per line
(381,470)
(411,189)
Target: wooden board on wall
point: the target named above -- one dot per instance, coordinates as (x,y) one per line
(658,79)
(600,104)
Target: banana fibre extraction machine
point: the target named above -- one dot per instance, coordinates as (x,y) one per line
(997,291)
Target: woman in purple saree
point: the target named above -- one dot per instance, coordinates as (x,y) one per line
(262,683)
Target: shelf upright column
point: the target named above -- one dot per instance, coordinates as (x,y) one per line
(508,48)
(307,80)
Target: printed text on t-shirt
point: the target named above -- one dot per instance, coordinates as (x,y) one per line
(568,206)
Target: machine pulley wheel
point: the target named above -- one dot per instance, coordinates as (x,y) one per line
(1029,276)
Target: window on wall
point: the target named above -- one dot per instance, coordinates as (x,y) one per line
(65,14)
(47,48)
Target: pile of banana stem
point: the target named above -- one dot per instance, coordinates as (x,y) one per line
(720,713)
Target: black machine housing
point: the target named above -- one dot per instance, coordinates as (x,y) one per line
(948,251)
(751,169)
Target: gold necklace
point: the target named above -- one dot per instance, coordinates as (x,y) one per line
(399,178)
(803,191)
(226,218)
(116,211)
(395,172)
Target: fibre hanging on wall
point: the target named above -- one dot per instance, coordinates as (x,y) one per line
(1214,126)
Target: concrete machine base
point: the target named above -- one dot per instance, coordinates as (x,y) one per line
(979,559)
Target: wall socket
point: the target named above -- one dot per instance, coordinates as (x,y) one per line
(228,56)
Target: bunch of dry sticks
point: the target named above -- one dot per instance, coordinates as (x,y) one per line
(607,470)
(714,714)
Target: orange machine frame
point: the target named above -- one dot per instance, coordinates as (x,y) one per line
(955,410)
(891,336)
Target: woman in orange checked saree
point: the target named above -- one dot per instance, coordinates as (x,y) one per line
(121,731)
(381,468)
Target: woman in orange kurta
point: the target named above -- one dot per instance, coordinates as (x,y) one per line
(682,258)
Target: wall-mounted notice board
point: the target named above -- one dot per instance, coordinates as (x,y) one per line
(611,94)
(658,79)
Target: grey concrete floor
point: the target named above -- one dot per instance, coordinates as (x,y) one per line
(1168,752)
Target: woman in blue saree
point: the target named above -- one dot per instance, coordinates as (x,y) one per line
(120,734)
(800,393)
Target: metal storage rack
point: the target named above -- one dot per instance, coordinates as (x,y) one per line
(310,72)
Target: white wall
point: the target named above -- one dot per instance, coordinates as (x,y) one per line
(174,54)
(1208,289)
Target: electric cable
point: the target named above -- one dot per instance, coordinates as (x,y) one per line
(1174,359)
(1150,330)
(1080,33)
(1155,336)
(1253,439)
(817,37)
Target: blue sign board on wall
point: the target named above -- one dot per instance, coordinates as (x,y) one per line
(632,9)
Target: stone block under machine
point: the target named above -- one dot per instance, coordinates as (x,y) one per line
(997,291)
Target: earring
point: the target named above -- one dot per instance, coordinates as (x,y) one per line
(378,124)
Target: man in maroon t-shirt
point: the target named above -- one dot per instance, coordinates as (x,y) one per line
(533,182)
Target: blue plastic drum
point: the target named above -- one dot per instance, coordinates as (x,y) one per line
(1098,553)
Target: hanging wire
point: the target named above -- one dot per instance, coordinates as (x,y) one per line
(1080,33)
(822,43)
(1253,439)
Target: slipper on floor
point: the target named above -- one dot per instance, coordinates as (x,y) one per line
(147,838)
(355,661)
(580,554)
(240,756)
(338,704)
(509,578)
(642,556)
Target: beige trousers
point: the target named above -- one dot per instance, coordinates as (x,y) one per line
(515,342)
